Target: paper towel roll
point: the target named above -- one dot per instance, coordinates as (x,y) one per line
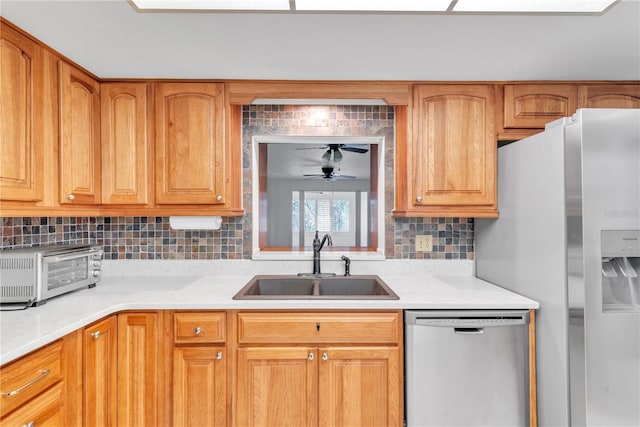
(195,222)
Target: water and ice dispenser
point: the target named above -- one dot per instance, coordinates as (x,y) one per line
(620,270)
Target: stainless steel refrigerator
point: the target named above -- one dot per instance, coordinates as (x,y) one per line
(568,236)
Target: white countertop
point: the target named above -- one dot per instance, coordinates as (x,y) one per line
(420,286)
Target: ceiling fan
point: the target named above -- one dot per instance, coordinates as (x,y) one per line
(335,150)
(328,174)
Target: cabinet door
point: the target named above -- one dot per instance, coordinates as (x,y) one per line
(190,165)
(200,386)
(139,369)
(533,106)
(21,145)
(125,146)
(100,373)
(610,96)
(79,136)
(454,150)
(277,387)
(360,387)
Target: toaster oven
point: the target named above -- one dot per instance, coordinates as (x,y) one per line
(33,275)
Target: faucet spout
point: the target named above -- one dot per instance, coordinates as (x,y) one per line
(317,247)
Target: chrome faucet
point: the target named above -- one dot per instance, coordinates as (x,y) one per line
(317,247)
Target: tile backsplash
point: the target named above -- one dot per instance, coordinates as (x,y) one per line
(153,238)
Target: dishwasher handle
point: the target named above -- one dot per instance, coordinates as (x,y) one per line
(468,331)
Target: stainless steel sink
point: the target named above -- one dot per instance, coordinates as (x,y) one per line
(315,287)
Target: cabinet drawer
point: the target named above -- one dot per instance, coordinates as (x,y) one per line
(45,410)
(277,328)
(30,376)
(199,327)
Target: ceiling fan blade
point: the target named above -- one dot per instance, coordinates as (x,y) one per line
(354,149)
(312,148)
(344,176)
(313,174)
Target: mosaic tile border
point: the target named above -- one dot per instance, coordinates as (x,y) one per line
(127,237)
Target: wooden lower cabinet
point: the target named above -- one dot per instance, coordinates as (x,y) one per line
(319,378)
(44,387)
(141,369)
(46,410)
(310,386)
(100,375)
(359,386)
(277,386)
(200,386)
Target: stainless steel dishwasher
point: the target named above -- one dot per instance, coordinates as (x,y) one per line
(467,368)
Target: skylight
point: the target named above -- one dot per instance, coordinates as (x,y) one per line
(451,6)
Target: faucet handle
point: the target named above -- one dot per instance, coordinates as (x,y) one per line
(329,241)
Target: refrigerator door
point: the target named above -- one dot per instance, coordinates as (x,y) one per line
(610,160)
(524,251)
(467,368)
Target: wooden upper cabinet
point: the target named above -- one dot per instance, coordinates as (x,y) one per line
(451,158)
(609,96)
(79,136)
(21,144)
(125,143)
(190,164)
(532,106)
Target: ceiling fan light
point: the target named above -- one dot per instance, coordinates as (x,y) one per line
(326,156)
(337,156)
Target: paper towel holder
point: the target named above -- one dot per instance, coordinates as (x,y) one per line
(195,222)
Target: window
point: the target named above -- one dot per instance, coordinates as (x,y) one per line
(333,213)
(294,194)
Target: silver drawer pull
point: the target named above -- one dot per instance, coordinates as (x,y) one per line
(43,373)
(197,330)
(96,334)
(219,355)
(311,356)
(325,356)
(31,424)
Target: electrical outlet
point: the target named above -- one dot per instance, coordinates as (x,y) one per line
(424,243)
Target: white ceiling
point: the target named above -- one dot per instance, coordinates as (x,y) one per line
(112,40)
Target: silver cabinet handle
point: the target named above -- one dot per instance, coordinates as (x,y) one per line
(311,356)
(219,198)
(325,356)
(419,199)
(219,355)
(71,197)
(197,330)
(96,334)
(30,424)
(43,373)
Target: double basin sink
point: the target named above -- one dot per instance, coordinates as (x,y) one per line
(315,287)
